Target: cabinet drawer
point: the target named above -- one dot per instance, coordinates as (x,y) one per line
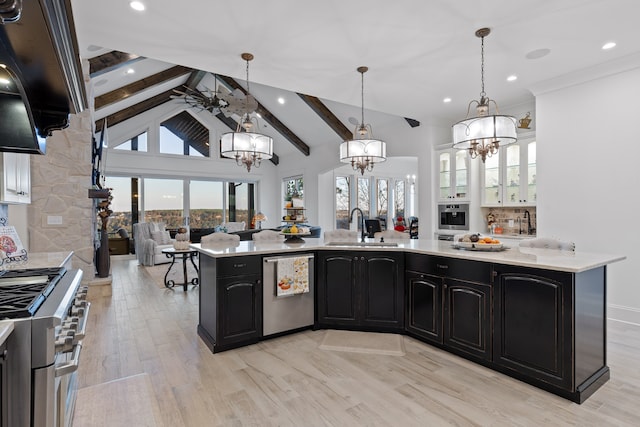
(239,266)
(474,271)
(416,262)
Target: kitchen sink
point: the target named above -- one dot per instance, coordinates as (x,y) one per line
(363,244)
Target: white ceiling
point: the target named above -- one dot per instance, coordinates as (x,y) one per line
(418,52)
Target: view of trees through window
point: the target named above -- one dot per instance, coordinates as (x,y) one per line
(206,207)
(373,196)
(343,202)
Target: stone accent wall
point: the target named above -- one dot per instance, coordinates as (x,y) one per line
(59,183)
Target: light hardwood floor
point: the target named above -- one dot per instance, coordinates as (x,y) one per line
(143,359)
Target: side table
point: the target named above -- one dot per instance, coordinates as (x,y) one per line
(187,254)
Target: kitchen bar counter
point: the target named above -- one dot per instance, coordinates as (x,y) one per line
(538,315)
(547,259)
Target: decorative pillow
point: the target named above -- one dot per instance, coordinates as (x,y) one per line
(161,237)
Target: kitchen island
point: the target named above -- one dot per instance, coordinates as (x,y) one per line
(538,315)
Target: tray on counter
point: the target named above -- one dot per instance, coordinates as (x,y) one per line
(475,246)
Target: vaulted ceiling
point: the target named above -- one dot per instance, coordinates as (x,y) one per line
(418,53)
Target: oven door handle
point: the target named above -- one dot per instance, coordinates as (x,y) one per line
(70,367)
(78,336)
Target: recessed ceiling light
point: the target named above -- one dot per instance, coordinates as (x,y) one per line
(258,115)
(609,45)
(281,100)
(512,78)
(137,5)
(446,100)
(130,71)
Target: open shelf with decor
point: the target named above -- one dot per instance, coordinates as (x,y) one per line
(294,215)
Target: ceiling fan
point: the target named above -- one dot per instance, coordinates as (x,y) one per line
(202,100)
(238,102)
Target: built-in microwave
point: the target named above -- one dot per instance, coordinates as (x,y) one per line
(453,217)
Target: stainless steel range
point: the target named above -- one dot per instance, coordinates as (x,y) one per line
(50,310)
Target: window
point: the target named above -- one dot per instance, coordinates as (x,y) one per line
(182,134)
(382,197)
(137,143)
(400,198)
(206,204)
(294,187)
(364,196)
(343,202)
(375,196)
(241,202)
(121,204)
(163,201)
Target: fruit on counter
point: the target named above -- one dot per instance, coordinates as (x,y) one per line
(476,238)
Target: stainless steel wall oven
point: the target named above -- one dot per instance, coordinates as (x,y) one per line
(453,216)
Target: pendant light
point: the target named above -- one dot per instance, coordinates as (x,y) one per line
(484,134)
(363,151)
(247,147)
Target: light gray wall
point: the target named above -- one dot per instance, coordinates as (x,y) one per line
(587,164)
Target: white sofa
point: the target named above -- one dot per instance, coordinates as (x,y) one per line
(150,239)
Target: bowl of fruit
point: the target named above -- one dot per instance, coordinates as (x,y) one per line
(477,242)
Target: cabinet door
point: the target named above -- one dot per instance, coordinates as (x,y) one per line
(533,323)
(492,181)
(241,309)
(16,178)
(467,314)
(424,306)
(382,290)
(336,293)
(453,166)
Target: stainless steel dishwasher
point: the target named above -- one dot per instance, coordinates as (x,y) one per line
(285,313)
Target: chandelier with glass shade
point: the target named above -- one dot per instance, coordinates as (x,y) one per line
(363,151)
(483,135)
(245,145)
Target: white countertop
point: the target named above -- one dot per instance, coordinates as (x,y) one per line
(41,260)
(6,327)
(547,259)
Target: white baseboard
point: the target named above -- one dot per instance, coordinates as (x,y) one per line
(623,314)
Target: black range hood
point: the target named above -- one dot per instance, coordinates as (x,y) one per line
(41,70)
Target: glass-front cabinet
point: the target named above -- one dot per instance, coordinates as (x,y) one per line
(509,176)
(453,166)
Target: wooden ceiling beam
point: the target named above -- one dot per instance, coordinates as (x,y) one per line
(110,61)
(139,86)
(134,110)
(329,118)
(271,119)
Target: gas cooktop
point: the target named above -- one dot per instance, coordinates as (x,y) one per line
(22,292)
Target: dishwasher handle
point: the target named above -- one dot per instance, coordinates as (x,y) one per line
(275,259)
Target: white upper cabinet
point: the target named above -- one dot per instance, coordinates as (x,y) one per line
(509,177)
(16,178)
(453,178)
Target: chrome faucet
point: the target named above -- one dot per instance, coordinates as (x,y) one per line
(361,221)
